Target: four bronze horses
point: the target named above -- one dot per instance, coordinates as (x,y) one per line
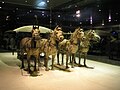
(35,45)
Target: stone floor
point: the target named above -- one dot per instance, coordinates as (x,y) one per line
(102,77)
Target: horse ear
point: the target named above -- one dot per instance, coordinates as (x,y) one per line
(56,27)
(79,28)
(33,26)
(51,32)
(32,31)
(90,30)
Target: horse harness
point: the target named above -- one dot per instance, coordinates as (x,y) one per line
(34,42)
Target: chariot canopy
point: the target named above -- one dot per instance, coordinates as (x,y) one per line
(29,29)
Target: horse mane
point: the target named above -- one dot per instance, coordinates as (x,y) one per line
(88,31)
(51,35)
(57,27)
(74,34)
(89,34)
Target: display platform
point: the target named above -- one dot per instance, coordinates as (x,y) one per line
(102,77)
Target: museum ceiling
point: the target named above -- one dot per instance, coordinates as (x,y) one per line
(47,4)
(63,12)
(54,4)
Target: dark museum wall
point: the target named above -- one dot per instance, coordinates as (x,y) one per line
(103,15)
(102,12)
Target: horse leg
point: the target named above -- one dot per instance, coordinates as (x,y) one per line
(73,58)
(28,61)
(53,57)
(22,59)
(62,58)
(70,59)
(58,62)
(80,55)
(35,65)
(46,63)
(85,57)
(67,61)
(12,51)
(38,62)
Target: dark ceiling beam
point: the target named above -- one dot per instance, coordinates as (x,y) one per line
(75,4)
(67,4)
(12,6)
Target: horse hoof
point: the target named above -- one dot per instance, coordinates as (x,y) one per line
(58,64)
(52,69)
(80,65)
(34,73)
(47,69)
(67,67)
(72,66)
(89,67)
(75,62)
(22,67)
(62,63)
(26,69)
(37,69)
(29,72)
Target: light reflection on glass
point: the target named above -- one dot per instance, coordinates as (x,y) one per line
(41,4)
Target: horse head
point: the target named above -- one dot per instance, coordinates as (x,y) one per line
(58,33)
(85,41)
(93,36)
(35,31)
(78,33)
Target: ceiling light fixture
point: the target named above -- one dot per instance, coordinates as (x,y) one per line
(58,15)
(77,15)
(30,10)
(78,12)
(42,3)
(103,23)
(3,2)
(16,8)
(91,20)
(99,10)
(48,1)
(109,18)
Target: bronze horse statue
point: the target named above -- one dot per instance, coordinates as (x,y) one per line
(26,47)
(70,47)
(49,46)
(85,43)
